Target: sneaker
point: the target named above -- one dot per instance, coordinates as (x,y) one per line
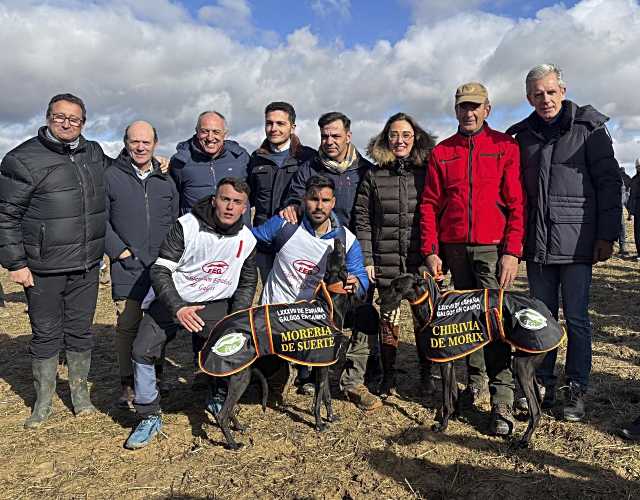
(362,398)
(501,420)
(125,401)
(144,432)
(632,431)
(214,403)
(573,410)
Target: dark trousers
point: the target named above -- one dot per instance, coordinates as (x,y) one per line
(61,308)
(475,266)
(636,232)
(156,330)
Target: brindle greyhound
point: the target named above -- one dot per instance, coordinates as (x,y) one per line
(338,302)
(424,295)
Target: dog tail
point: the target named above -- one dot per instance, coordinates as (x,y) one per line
(264,385)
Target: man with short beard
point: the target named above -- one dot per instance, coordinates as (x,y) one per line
(574,211)
(205,270)
(52,229)
(198,165)
(142,203)
(271,168)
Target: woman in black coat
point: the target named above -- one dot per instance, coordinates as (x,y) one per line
(387,221)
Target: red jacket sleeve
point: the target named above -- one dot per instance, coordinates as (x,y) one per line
(430,206)
(513,197)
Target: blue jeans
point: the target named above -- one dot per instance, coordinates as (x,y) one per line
(574,281)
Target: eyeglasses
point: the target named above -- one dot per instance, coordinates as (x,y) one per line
(74,121)
(204,132)
(405,136)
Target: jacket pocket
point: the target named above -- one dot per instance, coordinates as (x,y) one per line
(489,165)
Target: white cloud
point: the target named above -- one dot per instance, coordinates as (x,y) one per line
(129,66)
(230,15)
(328,8)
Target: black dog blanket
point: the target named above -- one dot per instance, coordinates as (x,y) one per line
(302,333)
(460,322)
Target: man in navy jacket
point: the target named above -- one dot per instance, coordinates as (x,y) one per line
(142,203)
(197,167)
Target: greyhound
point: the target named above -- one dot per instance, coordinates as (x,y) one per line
(459,322)
(330,297)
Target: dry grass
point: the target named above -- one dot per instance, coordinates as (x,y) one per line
(390,453)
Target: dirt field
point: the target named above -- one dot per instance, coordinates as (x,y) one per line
(391,453)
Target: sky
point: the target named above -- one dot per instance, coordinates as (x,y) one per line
(165,61)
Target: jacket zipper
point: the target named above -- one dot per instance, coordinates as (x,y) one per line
(470,197)
(84,209)
(42,240)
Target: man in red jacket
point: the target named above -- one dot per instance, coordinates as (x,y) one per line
(472,214)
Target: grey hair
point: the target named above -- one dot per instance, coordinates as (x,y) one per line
(220,115)
(542,70)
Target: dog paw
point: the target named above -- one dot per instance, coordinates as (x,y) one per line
(233,446)
(438,427)
(333,418)
(321,427)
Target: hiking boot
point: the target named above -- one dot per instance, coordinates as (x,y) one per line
(144,432)
(362,398)
(125,401)
(573,410)
(44,382)
(548,399)
(632,431)
(501,420)
(79,364)
(473,395)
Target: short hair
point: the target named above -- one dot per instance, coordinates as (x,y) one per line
(69,98)
(236,183)
(282,106)
(317,182)
(542,70)
(126,134)
(220,115)
(332,116)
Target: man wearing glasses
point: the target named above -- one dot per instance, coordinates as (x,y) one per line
(472,215)
(198,165)
(52,229)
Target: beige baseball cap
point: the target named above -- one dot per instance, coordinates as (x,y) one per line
(471,92)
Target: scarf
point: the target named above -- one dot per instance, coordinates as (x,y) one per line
(51,137)
(338,167)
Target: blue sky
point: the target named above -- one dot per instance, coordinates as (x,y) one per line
(165,61)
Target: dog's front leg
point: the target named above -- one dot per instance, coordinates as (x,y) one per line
(322,381)
(524,366)
(449,396)
(326,396)
(238,383)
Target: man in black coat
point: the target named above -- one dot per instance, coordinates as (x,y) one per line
(574,211)
(271,169)
(52,229)
(142,204)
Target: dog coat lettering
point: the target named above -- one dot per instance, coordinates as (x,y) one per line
(460,322)
(302,333)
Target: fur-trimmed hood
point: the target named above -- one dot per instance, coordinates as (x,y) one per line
(382,156)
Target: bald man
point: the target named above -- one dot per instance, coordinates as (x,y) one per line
(142,203)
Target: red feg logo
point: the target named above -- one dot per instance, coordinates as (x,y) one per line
(306,267)
(218,267)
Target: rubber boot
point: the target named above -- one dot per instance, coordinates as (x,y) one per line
(388,353)
(44,381)
(79,364)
